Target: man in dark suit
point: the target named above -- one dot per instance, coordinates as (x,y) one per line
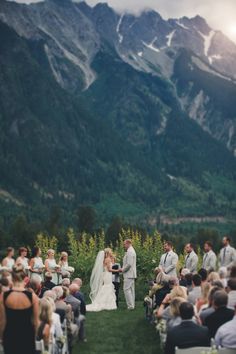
(116,279)
(188,334)
(71,300)
(80,296)
(48,284)
(221,315)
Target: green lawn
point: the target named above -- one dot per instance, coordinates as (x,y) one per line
(119,332)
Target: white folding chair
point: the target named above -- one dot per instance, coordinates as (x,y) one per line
(1,349)
(65,348)
(226,351)
(195,350)
(39,345)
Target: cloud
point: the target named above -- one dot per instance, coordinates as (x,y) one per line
(220,14)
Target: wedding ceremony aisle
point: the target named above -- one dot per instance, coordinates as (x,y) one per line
(119,332)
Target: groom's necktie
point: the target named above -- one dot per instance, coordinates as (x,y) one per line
(165,258)
(205,257)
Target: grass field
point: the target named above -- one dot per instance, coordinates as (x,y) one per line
(119,332)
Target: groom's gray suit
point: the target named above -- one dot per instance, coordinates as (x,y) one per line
(130,274)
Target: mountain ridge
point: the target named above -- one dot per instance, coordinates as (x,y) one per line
(114,124)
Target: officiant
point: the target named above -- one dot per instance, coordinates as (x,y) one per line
(116,278)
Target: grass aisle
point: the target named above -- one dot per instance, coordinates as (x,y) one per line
(119,332)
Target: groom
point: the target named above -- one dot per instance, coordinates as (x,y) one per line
(130,274)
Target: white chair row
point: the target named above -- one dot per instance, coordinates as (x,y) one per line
(204,350)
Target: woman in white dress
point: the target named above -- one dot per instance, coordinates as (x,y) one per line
(36,263)
(51,266)
(102,293)
(8,262)
(22,259)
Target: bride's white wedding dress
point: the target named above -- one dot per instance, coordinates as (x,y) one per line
(104,297)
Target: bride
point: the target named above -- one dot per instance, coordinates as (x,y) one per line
(102,292)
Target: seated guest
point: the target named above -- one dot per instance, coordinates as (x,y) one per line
(202,301)
(62,308)
(189,282)
(65,312)
(56,328)
(231,293)
(45,322)
(225,336)
(203,273)
(164,309)
(187,334)
(5,284)
(204,313)
(35,284)
(173,317)
(196,290)
(80,296)
(71,300)
(232,273)
(183,272)
(48,284)
(65,282)
(221,315)
(213,277)
(223,273)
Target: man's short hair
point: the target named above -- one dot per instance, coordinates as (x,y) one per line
(209,243)
(220,298)
(186,311)
(232,284)
(197,279)
(227,238)
(212,292)
(203,273)
(169,243)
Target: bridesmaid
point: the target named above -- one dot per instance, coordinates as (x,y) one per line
(51,266)
(36,263)
(8,262)
(22,259)
(63,263)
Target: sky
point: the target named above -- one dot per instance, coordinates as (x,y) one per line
(220,14)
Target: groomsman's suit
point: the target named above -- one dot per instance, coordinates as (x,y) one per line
(209,261)
(227,256)
(169,262)
(191,262)
(130,274)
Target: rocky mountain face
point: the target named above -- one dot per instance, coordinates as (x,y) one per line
(133,114)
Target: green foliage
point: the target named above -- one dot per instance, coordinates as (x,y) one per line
(45,243)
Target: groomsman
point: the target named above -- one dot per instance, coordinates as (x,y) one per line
(227,257)
(130,274)
(191,259)
(169,260)
(209,258)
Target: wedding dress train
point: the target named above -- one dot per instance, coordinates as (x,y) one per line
(105,299)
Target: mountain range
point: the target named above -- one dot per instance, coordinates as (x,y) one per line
(134,115)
